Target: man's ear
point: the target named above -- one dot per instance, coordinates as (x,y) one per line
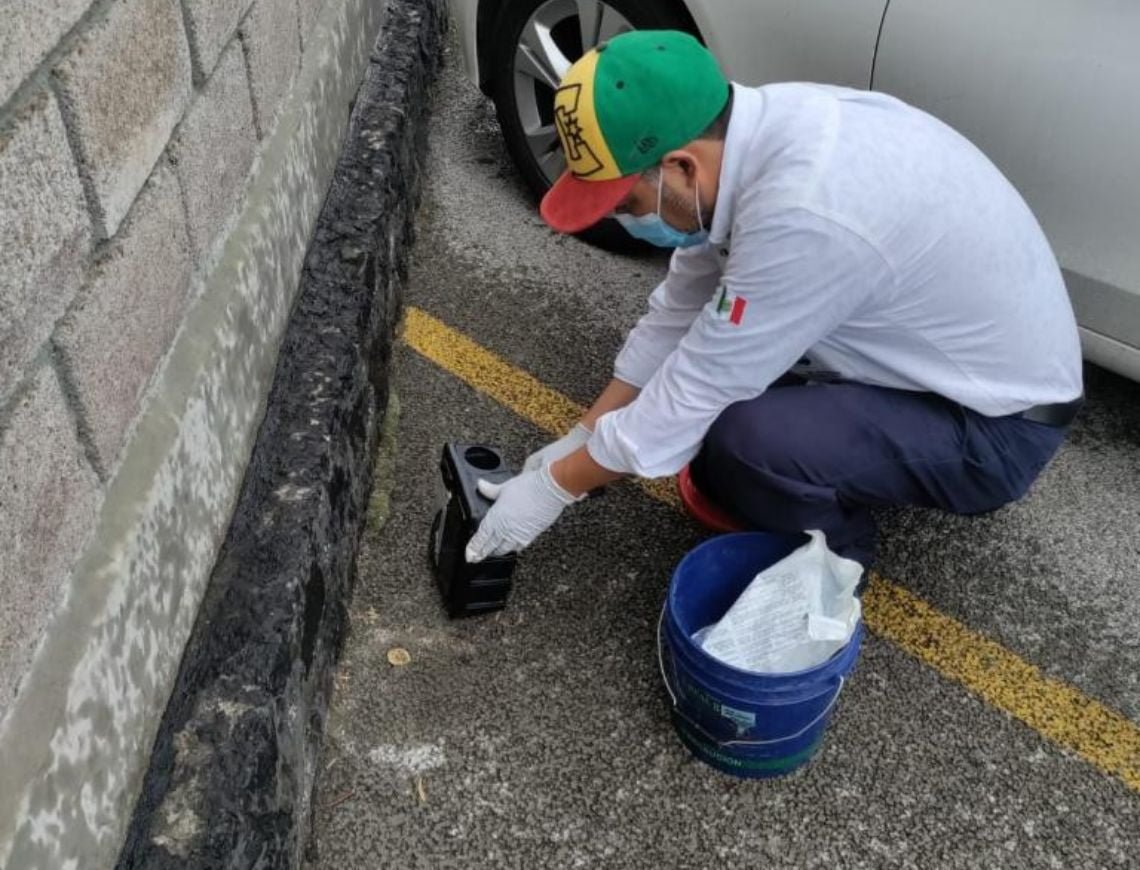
(681,159)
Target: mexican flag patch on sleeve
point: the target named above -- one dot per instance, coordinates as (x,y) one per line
(729,306)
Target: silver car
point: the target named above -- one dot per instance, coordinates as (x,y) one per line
(1049,89)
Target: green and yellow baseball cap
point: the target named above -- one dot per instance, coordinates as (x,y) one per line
(622,107)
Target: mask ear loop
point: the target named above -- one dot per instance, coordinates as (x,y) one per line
(700,220)
(660,180)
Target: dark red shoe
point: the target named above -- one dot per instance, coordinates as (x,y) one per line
(702,509)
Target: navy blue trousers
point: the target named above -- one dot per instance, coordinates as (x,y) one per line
(822,456)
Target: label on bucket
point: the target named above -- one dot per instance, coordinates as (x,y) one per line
(743,762)
(741,718)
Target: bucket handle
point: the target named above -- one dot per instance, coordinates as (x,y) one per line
(700,728)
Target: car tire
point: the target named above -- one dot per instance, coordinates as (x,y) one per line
(517,108)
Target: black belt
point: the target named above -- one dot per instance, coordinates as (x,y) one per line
(1058,414)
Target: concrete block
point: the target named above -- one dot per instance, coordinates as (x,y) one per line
(215,147)
(124,320)
(31,29)
(48,499)
(310,10)
(124,87)
(45,233)
(273,49)
(211,24)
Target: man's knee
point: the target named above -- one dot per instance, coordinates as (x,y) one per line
(745,440)
(748,465)
(753,464)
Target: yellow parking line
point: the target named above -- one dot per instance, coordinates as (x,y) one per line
(1054,709)
(1049,706)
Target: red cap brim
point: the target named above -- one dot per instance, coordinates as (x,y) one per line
(573,204)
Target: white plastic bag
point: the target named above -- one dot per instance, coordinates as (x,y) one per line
(794,615)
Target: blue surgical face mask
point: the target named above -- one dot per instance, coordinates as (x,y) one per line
(657,231)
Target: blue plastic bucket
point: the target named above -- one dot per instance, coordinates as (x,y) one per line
(746,724)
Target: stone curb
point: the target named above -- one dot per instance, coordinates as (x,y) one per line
(232,769)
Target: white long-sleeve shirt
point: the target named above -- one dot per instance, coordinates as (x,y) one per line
(854,237)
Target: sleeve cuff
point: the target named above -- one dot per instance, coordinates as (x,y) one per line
(610,447)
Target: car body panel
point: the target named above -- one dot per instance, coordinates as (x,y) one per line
(760,41)
(1108,312)
(1124,359)
(1048,90)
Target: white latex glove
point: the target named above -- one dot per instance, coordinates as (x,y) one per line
(556,450)
(525,507)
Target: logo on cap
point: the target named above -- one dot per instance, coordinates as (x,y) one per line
(581,159)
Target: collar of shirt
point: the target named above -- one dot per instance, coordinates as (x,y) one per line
(747,109)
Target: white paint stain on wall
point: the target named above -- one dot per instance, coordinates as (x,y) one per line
(102,680)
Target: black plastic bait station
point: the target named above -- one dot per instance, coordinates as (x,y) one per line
(468,589)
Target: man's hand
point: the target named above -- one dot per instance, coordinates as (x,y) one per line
(525,507)
(564,446)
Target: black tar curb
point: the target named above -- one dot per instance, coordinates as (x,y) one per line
(232,770)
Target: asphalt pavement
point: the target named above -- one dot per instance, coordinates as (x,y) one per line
(539,736)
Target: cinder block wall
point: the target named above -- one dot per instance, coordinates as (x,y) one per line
(161,166)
